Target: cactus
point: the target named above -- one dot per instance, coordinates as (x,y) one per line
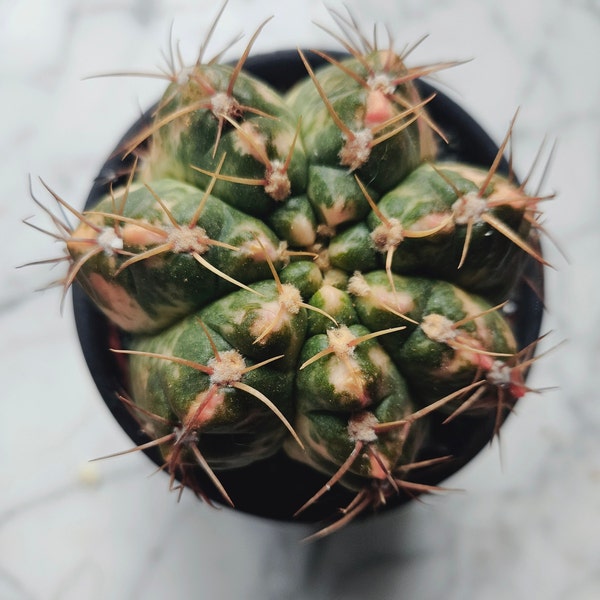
(302,273)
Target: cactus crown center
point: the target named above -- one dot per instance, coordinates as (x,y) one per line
(361,427)
(227,368)
(184,239)
(109,241)
(438,328)
(469,208)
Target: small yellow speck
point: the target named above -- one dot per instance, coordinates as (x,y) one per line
(88,474)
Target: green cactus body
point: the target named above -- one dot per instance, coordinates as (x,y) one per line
(159,268)
(342,397)
(230,426)
(434,349)
(249,123)
(442,357)
(440,223)
(298,275)
(375,131)
(261,322)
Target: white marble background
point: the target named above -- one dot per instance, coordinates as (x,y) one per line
(526,528)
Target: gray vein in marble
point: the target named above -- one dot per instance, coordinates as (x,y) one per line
(47,497)
(13,588)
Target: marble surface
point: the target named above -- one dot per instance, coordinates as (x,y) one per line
(528,524)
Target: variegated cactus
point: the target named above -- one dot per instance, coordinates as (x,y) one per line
(300,273)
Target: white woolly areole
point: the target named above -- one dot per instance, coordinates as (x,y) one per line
(325,231)
(223,105)
(322,260)
(185,436)
(499,374)
(272,316)
(381,82)
(227,368)
(184,239)
(357,149)
(388,235)
(277,184)
(438,328)
(290,298)
(109,241)
(361,427)
(469,207)
(339,341)
(183,75)
(358,286)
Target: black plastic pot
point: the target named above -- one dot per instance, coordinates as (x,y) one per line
(276,487)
